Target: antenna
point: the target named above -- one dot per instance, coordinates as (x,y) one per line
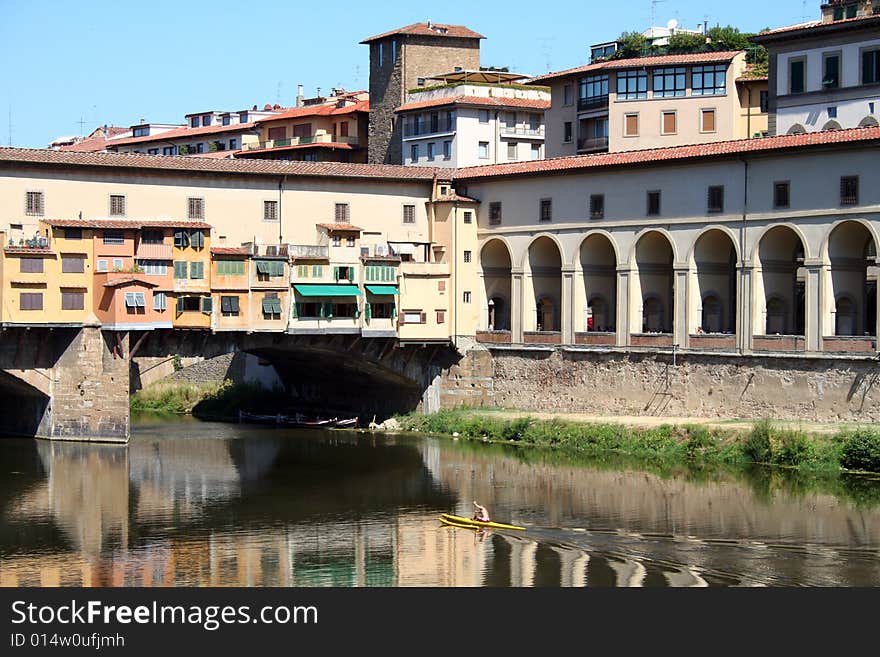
(10,125)
(81,124)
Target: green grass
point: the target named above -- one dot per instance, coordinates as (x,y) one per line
(172,396)
(209,400)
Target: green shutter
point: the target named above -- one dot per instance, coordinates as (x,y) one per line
(197,270)
(278,267)
(207,305)
(368,311)
(197,239)
(351,274)
(328,309)
(393,311)
(317,271)
(180,269)
(295,310)
(179,305)
(262,267)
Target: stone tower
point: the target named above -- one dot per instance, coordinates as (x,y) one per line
(397,60)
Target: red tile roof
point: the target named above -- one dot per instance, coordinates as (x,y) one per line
(493,101)
(432,29)
(185,132)
(275,168)
(28,250)
(294,147)
(327,109)
(125,280)
(95,143)
(716,149)
(816,27)
(216,155)
(340,228)
(123,224)
(633,62)
(230,250)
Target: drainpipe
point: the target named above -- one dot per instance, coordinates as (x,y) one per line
(742,255)
(281,181)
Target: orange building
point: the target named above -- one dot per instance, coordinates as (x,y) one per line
(230,272)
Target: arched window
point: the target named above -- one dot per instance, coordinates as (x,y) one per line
(831,125)
(844,316)
(711,314)
(775,316)
(869,122)
(652,315)
(797,129)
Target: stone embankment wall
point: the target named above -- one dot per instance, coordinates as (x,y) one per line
(698,385)
(469,383)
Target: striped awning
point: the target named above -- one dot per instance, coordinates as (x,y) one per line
(328,290)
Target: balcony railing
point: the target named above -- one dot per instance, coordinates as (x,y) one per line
(425,130)
(593,102)
(308,251)
(522,131)
(300,141)
(588,145)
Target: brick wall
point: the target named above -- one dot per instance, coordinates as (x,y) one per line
(595,338)
(542,337)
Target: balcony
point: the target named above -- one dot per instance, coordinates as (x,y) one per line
(592,103)
(592,144)
(522,132)
(147,251)
(410,131)
(308,251)
(300,141)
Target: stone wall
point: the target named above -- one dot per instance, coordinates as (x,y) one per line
(698,385)
(468,383)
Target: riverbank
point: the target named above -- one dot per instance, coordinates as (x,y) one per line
(214,400)
(848,448)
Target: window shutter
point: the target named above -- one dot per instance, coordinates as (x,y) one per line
(207,305)
(423,318)
(368,311)
(351,274)
(328,309)
(295,309)
(179,305)
(336,274)
(180,269)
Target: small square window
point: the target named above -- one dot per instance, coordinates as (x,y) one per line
(668,123)
(467,256)
(781,194)
(715,200)
(466,297)
(494,213)
(849,190)
(468,217)
(270,210)
(653,203)
(117,205)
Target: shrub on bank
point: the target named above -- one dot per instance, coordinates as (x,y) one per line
(861,451)
(756,447)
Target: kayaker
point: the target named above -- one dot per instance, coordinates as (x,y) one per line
(480,513)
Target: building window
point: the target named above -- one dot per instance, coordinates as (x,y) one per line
(484,116)
(206,120)
(197,270)
(342,213)
(412,317)
(160,301)
(117,205)
(592,91)
(229,306)
(154,267)
(337,240)
(152,151)
(195,208)
(715,198)
(630,125)
(267,269)
(118,264)
(707,120)
(468,217)
(414,153)
(102,265)
(233,144)
(152,237)
(431,148)
(30,265)
(781,195)
(349,241)
(73,301)
(30,301)
(230,267)
(188,304)
(566,132)
(409,214)
(545,212)
(168,150)
(849,190)
(467,256)
(466,297)
(511,150)
(669,82)
(870,66)
(447,150)
(114,238)
(73,264)
(242,117)
(597,206)
(566,95)
(709,80)
(270,210)
(226,119)
(536,151)
(33,202)
(441,316)
(194,122)
(796,75)
(832,112)
(181,268)
(135,302)
(483,150)
(73,233)
(494,213)
(654,203)
(765,100)
(831,77)
(632,85)
(668,123)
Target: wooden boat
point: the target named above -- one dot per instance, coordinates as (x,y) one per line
(448,518)
(286,420)
(349,423)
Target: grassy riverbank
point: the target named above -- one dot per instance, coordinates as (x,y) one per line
(209,400)
(855,449)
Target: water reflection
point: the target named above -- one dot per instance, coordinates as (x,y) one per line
(213,504)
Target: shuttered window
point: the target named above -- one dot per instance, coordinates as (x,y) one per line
(230,267)
(135,300)
(229,306)
(117,205)
(343,273)
(271,307)
(380,273)
(31,301)
(707,120)
(180,269)
(160,301)
(342,213)
(270,210)
(31,265)
(409,214)
(73,264)
(197,270)
(631,125)
(207,305)
(72,300)
(668,126)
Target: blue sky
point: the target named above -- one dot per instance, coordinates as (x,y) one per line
(62,62)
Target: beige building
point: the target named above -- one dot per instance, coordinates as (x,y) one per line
(652,102)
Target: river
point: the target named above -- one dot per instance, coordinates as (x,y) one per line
(190,503)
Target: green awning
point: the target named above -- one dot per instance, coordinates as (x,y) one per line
(328,290)
(382,289)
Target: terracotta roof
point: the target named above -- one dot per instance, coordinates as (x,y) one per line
(455,197)
(216,155)
(230,250)
(184,132)
(140,162)
(123,224)
(634,62)
(95,143)
(432,29)
(804,29)
(491,101)
(28,250)
(340,227)
(125,280)
(716,149)
(294,147)
(327,109)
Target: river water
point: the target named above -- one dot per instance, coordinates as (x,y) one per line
(191,503)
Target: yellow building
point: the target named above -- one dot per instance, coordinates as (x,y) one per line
(192,267)
(230,288)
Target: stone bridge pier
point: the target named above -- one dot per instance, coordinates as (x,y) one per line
(64,383)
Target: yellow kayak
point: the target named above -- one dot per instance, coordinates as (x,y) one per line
(460,525)
(468,522)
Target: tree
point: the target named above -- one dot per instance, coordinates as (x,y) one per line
(631,44)
(728,38)
(683,42)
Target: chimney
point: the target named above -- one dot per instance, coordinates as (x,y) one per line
(299,95)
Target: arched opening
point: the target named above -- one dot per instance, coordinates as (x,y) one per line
(714,284)
(869,122)
(851,305)
(23,409)
(495,264)
(781,286)
(599,267)
(653,285)
(831,125)
(544,285)
(797,129)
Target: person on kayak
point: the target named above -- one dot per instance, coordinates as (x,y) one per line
(480,513)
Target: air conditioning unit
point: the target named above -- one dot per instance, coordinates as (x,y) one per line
(44,242)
